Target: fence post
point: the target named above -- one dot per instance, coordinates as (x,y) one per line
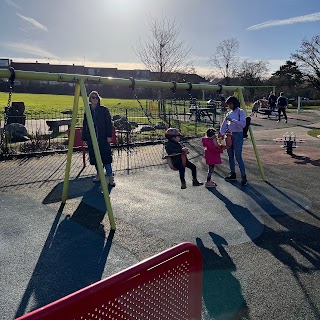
(196,124)
(128,148)
(299,105)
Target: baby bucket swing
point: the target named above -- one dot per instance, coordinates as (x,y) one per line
(173,132)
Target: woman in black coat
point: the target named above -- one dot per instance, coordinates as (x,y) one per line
(103,128)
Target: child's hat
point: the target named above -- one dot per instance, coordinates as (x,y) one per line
(172,132)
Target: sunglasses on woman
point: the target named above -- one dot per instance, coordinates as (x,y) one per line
(94,97)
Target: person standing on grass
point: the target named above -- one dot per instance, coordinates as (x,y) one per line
(234,122)
(212,154)
(282,103)
(103,129)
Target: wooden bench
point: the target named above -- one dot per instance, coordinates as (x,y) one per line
(55,124)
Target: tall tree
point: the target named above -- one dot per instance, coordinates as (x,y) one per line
(225,58)
(162,51)
(289,74)
(308,58)
(291,80)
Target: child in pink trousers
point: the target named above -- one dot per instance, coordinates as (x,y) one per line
(212,152)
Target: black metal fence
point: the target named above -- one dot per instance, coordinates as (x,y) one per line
(42,132)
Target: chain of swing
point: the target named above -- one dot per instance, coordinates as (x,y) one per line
(4,150)
(132,86)
(175,106)
(173,89)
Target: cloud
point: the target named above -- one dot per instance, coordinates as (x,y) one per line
(34,23)
(29,49)
(274,23)
(12,4)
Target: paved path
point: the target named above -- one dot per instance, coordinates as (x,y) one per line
(260,243)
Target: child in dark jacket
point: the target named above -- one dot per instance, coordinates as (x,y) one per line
(178,157)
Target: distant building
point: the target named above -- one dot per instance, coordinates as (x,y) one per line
(63,88)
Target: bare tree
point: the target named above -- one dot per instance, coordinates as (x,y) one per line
(224,59)
(308,59)
(163,52)
(252,72)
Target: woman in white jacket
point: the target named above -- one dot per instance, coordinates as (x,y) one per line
(234,122)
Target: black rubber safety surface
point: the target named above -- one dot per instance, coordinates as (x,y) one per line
(46,255)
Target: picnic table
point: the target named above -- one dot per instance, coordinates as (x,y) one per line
(203,113)
(55,124)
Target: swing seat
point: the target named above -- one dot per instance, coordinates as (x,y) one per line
(169,159)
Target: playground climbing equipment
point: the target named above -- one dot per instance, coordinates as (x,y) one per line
(289,141)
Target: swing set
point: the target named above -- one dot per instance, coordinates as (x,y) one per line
(80,82)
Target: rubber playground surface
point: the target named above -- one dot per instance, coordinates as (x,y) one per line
(260,243)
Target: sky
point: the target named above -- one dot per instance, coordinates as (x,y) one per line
(105,32)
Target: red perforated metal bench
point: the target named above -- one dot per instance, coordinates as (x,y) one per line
(166,286)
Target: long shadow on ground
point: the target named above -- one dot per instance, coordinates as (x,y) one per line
(296,245)
(77,188)
(72,258)
(298,248)
(221,291)
(251,225)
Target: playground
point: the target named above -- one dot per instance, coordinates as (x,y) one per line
(259,243)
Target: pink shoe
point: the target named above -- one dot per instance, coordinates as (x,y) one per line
(210,184)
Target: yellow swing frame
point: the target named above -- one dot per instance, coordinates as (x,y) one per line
(80,90)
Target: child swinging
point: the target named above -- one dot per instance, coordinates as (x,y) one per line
(174,150)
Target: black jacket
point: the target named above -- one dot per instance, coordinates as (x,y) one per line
(103,127)
(282,101)
(173,147)
(272,100)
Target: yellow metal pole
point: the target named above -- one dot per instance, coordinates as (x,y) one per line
(97,155)
(74,78)
(243,106)
(71,142)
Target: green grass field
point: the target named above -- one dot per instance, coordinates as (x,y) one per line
(314,133)
(46,103)
(41,106)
